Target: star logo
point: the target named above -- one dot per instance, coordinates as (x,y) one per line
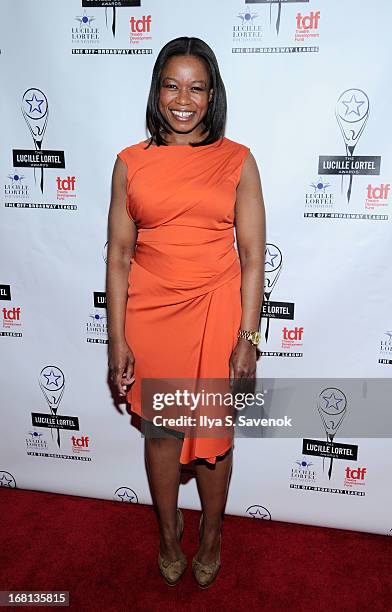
(127,495)
(259,512)
(35,104)
(332,403)
(269,258)
(4,481)
(352,106)
(52,379)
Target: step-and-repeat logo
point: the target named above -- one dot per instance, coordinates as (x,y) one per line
(90,36)
(35,110)
(97,328)
(377,196)
(140,29)
(11,321)
(28,162)
(258,512)
(7,480)
(126,494)
(16,186)
(247,29)
(66,187)
(52,384)
(11,316)
(291,336)
(352,114)
(332,408)
(319,195)
(303,471)
(85,32)
(257,28)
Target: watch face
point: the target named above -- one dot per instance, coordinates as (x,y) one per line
(256,337)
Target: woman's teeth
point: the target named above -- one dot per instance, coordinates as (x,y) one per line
(182,115)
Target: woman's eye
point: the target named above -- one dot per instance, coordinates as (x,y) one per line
(173,86)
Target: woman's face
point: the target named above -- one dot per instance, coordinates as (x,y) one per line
(185,93)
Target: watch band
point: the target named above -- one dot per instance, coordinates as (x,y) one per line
(252,336)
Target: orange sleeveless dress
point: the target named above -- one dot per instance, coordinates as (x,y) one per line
(184,301)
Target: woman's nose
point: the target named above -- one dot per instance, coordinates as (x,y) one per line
(183,96)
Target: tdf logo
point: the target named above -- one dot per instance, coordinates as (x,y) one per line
(378,193)
(355,474)
(139,26)
(67,184)
(308,22)
(11,314)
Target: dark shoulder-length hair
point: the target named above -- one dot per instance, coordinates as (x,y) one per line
(215,118)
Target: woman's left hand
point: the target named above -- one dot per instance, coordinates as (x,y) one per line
(243,360)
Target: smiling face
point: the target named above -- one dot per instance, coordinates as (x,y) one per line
(184,95)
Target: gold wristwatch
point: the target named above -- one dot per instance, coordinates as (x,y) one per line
(252,336)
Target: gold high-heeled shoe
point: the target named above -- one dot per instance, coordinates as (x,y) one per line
(173,570)
(205,573)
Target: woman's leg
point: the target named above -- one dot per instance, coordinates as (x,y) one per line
(164,469)
(212,482)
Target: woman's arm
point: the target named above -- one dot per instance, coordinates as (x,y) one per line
(122,234)
(250,231)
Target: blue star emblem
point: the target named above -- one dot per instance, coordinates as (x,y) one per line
(35,104)
(353,105)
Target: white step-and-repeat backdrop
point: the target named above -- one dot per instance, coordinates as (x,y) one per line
(308,92)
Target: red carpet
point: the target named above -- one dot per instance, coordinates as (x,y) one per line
(104,554)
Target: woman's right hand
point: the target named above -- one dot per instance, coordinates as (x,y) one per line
(121,365)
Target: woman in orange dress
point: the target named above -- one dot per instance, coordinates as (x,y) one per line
(182,303)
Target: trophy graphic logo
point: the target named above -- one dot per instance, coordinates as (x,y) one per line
(35,110)
(52,383)
(332,407)
(273,267)
(352,113)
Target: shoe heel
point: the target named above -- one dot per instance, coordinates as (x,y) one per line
(205,573)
